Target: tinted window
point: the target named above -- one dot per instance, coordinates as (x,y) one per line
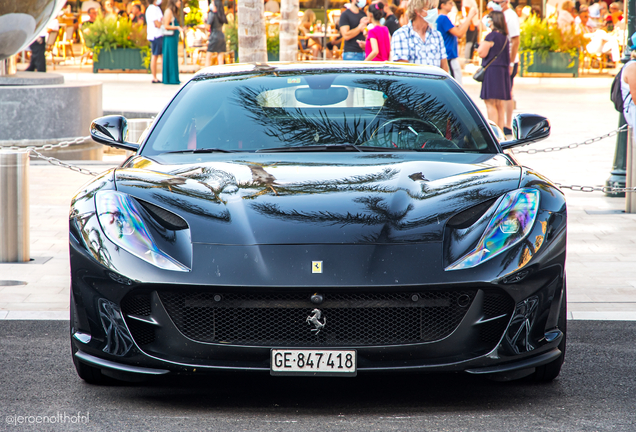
(250,113)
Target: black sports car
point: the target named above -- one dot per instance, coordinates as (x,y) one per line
(318,219)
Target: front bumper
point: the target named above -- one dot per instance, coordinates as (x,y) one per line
(491,337)
(518,331)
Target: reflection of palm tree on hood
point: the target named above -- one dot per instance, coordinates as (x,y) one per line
(381,210)
(173,182)
(176,186)
(217,180)
(262,177)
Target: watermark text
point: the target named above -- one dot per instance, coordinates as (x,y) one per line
(58,418)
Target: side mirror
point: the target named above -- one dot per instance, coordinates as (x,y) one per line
(112,131)
(527,128)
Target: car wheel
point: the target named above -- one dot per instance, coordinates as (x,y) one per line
(550,371)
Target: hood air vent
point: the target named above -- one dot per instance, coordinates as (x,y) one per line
(469,217)
(165,218)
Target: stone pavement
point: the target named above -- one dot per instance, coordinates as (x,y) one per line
(601,263)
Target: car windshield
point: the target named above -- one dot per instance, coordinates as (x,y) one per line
(292,111)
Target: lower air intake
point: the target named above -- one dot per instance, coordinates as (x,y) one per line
(349,319)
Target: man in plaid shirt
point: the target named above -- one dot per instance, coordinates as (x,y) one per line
(418,41)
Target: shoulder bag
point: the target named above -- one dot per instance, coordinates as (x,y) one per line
(165,32)
(481,72)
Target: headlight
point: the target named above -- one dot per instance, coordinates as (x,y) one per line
(121,222)
(510,224)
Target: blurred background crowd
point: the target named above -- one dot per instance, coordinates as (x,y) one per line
(206,33)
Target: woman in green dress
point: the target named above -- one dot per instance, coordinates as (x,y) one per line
(171,43)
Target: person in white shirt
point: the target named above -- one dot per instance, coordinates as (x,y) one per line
(565,20)
(628,85)
(595,10)
(514,30)
(582,23)
(154,16)
(602,42)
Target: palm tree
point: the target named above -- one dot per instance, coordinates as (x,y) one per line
(288,30)
(251,31)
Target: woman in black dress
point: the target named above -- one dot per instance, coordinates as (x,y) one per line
(216,41)
(495,52)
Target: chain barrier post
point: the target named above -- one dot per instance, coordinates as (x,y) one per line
(136,127)
(14,206)
(630,178)
(617,175)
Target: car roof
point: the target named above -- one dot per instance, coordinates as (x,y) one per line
(313,66)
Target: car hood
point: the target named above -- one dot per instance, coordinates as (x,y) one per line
(316,198)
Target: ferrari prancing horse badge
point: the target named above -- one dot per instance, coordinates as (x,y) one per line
(316,266)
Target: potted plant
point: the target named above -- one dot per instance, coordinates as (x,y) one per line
(543,48)
(117,44)
(194,16)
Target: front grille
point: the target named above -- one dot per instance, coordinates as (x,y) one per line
(350,319)
(141,332)
(495,304)
(136,304)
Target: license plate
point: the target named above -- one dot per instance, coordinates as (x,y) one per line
(310,362)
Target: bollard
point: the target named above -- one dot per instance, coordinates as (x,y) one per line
(14,206)
(630,178)
(617,175)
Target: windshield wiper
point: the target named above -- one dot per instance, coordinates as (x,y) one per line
(202,150)
(333,147)
(313,148)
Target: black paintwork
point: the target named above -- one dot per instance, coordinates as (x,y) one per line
(378,221)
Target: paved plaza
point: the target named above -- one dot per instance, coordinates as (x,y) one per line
(601,262)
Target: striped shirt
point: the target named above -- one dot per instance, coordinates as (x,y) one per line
(407,45)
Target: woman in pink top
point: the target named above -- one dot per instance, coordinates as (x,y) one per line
(378,45)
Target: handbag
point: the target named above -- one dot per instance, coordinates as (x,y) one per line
(165,32)
(481,72)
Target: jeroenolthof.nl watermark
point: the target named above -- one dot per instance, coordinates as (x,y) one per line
(57,418)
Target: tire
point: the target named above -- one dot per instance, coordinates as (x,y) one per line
(550,371)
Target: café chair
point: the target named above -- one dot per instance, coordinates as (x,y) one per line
(64,42)
(303,54)
(86,53)
(594,60)
(50,46)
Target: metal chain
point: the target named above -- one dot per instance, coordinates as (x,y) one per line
(53,161)
(574,145)
(604,189)
(59,163)
(47,147)
(577,188)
